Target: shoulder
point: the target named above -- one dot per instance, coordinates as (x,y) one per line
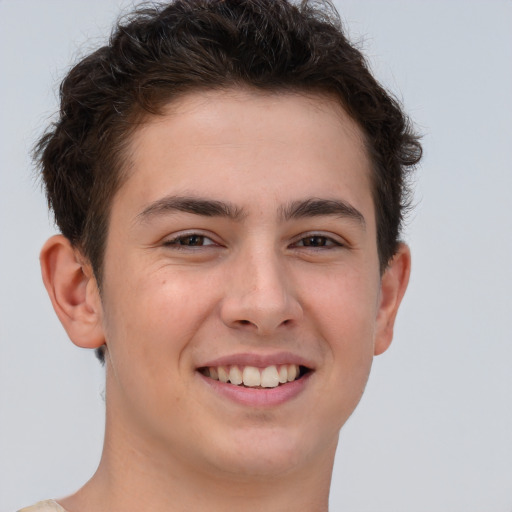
(44,506)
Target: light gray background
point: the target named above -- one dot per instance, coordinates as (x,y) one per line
(434,430)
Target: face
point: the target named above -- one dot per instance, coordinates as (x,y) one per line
(242,247)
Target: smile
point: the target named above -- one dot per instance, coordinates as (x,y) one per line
(254,377)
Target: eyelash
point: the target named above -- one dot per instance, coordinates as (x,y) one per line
(322,241)
(328,242)
(176,242)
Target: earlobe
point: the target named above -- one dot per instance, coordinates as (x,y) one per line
(73,290)
(393,285)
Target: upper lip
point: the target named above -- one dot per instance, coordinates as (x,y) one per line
(259,360)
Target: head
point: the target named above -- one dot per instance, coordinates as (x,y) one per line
(161,53)
(301,162)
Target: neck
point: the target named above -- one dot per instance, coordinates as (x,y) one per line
(130,481)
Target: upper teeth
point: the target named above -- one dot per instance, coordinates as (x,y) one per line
(251,376)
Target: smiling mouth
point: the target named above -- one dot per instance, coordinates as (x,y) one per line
(253,377)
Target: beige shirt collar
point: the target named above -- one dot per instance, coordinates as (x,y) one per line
(44,506)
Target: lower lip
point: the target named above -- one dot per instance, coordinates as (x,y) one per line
(258,397)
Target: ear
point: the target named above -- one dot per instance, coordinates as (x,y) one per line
(393,285)
(70,283)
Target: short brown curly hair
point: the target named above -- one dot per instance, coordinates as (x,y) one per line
(160,52)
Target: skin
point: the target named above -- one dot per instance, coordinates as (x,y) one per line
(258,283)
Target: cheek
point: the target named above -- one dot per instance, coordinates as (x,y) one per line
(153,312)
(158,316)
(344,311)
(149,328)
(345,303)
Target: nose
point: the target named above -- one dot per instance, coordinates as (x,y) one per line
(259,294)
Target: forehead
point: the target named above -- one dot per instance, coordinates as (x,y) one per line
(244,145)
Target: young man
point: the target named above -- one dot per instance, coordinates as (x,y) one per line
(229,182)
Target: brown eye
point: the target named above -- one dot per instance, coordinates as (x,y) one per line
(192,240)
(317,241)
(314,241)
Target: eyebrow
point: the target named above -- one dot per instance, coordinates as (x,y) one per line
(194,205)
(316,207)
(312,207)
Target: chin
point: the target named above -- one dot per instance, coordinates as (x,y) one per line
(271,452)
